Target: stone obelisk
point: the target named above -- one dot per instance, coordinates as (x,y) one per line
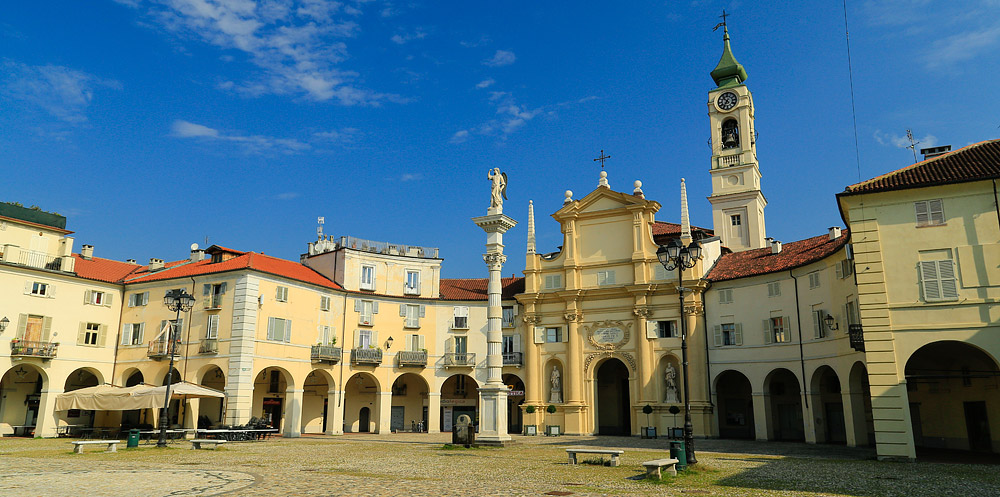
(493,395)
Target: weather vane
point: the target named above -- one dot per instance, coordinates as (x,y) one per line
(602,158)
(723,23)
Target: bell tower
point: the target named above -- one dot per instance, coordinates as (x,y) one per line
(737,202)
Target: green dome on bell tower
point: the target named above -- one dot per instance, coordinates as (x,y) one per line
(728,72)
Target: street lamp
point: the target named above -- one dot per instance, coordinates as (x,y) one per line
(177,301)
(3,323)
(676,256)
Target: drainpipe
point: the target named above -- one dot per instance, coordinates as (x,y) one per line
(798,320)
(996,203)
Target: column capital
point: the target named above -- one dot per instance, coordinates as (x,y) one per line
(532,319)
(494,260)
(573,316)
(642,311)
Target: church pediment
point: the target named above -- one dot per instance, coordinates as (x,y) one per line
(604,200)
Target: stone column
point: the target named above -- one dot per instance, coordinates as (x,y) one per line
(809,403)
(760,412)
(334,413)
(573,393)
(47,422)
(384,413)
(647,363)
(434,412)
(293,413)
(847,400)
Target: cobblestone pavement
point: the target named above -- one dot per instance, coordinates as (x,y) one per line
(419,465)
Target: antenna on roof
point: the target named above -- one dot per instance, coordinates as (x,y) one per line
(912,146)
(319,229)
(206,240)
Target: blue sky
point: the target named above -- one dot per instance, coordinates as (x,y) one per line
(155,124)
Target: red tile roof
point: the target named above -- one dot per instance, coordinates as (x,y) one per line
(975,162)
(248,260)
(761,261)
(663,232)
(475,288)
(105,270)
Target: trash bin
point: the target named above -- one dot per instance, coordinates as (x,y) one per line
(133,438)
(677,451)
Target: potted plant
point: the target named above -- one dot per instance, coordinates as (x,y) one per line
(552,430)
(530,430)
(648,431)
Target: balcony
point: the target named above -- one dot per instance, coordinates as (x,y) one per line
(160,349)
(513,359)
(213,302)
(857,337)
(366,357)
(460,360)
(209,346)
(40,260)
(22,348)
(327,353)
(411,358)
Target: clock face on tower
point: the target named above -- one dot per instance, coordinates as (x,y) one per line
(727,100)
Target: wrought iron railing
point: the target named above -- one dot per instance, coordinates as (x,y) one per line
(411,358)
(513,359)
(460,360)
(40,260)
(209,346)
(857,337)
(326,353)
(25,348)
(366,356)
(158,349)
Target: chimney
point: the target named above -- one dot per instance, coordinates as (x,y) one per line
(131,261)
(87,252)
(155,264)
(834,232)
(775,247)
(197,255)
(930,153)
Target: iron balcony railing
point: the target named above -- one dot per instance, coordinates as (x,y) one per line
(40,260)
(209,346)
(326,353)
(857,337)
(366,356)
(213,301)
(460,360)
(513,359)
(22,348)
(158,349)
(411,358)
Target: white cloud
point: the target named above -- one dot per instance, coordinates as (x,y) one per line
(287,195)
(902,141)
(342,135)
(60,91)
(486,83)
(459,136)
(253,144)
(184,129)
(297,45)
(500,59)
(405,177)
(961,47)
(511,116)
(403,38)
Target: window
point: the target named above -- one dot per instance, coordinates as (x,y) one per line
(726,296)
(814,280)
(938,280)
(844,268)
(281,294)
(279,329)
(211,294)
(365,309)
(324,303)
(736,230)
(414,343)
(326,335)
(461,321)
(851,311)
(553,335)
(929,212)
(509,315)
(168,327)
(819,323)
(274,383)
(553,281)
(412,286)
(774,289)
(91,334)
(368,277)
(212,327)
(364,339)
(727,334)
(138,299)
(666,329)
(777,330)
(412,313)
(39,289)
(461,344)
(95,297)
(507,345)
(605,278)
(132,333)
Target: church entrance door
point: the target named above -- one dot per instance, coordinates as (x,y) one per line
(613,400)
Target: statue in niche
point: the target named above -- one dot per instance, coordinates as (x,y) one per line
(671,379)
(498,188)
(555,395)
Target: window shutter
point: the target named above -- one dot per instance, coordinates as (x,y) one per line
(206,290)
(270,328)
(921,208)
(213,326)
(840,270)
(223,289)
(402,310)
(357,305)
(929,279)
(949,287)
(786,324)
(517,343)
(127,334)
(420,338)
(539,334)
(423,310)
(288,330)
(27,287)
(449,345)
(935,213)
(817,322)
(50,291)
(145,298)
(107,299)
(652,329)
(563,334)
(81,334)
(142,332)
(86,296)
(768,336)
(46,328)
(718,335)
(102,334)
(357,338)
(375,307)
(738,335)
(375,339)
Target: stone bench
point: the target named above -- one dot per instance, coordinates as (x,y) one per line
(604,452)
(653,467)
(79,444)
(214,442)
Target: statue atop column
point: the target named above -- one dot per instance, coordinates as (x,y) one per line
(498,189)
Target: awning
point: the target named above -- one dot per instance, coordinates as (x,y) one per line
(181,390)
(115,398)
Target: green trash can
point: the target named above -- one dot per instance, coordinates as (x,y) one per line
(677,451)
(133,438)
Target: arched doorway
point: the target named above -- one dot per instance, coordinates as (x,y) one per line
(136,418)
(81,378)
(515,397)
(21,388)
(735,399)
(361,403)
(409,403)
(459,395)
(614,404)
(954,397)
(828,406)
(784,406)
(861,405)
(269,389)
(316,401)
(211,411)
(175,417)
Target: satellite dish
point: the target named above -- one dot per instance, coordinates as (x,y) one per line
(194,246)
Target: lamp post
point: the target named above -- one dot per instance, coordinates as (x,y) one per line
(3,323)
(676,256)
(177,301)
